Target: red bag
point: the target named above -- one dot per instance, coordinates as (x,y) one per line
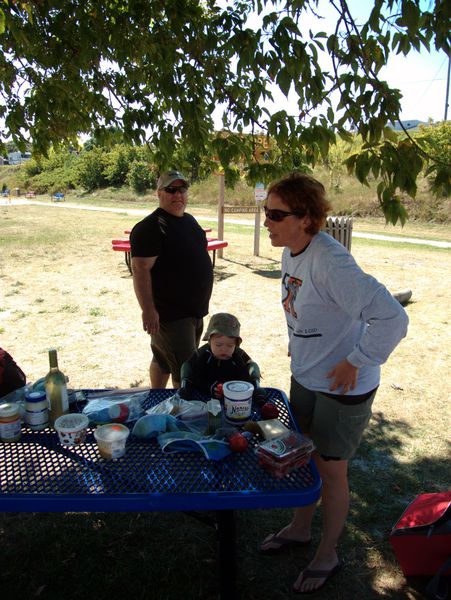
(421,538)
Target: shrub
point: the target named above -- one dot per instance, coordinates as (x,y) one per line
(117,163)
(140,178)
(90,169)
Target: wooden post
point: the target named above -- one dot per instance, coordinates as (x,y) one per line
(259,195)
(257,232)
(221,211)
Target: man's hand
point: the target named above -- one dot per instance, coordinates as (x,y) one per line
(343,375)
(151,321)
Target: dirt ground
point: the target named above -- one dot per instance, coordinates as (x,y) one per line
(62,286)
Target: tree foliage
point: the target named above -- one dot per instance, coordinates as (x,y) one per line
(160,72)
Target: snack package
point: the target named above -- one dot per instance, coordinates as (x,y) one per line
(283,454)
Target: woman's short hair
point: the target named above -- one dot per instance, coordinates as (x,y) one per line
(305,195)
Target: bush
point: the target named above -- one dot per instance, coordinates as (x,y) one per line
(90,169)
(140,178)
(117,163)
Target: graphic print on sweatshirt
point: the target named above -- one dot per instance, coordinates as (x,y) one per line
(292,286)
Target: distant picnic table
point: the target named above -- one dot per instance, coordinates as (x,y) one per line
(57,197)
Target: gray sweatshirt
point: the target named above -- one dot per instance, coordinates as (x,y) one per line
(334,311)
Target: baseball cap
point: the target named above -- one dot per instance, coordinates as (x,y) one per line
(168,177)
(225,324)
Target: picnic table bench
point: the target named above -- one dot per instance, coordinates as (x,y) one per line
(57,197)
(30,194)
(213,244)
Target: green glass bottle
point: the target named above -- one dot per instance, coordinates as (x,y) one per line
(56,389)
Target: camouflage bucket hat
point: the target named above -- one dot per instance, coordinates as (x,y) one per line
(225,324)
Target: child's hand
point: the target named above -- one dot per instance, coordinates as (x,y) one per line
(216,391)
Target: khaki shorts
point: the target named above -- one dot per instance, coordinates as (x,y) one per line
(175,343)
(335,428)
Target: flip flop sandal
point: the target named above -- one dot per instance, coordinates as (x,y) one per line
(283,544)
(317,574)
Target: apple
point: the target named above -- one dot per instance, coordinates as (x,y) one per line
(238,443)
(269,411)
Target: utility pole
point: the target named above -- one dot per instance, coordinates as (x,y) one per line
(447,88)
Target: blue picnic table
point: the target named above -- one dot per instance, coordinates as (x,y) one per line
(40,475)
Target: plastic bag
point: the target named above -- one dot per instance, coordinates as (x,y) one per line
(193,413)
(115,408)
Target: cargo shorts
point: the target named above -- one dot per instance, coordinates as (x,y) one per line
(175,343)
(335,426)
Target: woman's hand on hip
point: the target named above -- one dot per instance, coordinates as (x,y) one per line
(343,375)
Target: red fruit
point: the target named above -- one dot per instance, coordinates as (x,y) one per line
(238,443)
(269,411)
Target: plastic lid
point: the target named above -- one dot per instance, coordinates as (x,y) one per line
(71,422)
(35,396)
(8,409)
(238,390)
(111,432)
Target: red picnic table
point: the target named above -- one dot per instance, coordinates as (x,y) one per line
(213,244)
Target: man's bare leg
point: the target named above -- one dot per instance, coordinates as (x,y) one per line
(158,378)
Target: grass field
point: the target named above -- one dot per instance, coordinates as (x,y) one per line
(61,285)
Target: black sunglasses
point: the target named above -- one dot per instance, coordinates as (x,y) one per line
(176,188)
(279,215)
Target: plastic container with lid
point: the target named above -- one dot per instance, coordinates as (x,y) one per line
(282,455)
(72,429)
(237,401)
(36,410)
(111,439)
(10,422)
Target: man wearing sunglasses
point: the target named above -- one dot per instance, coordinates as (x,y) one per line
(172,279)
(342,325)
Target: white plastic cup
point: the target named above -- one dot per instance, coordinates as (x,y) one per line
(111,439)
(72,428)
(237,401)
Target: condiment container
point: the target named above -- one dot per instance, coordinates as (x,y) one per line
(72,429)
(10,422)
(36,410)
(111,439)
(237,401)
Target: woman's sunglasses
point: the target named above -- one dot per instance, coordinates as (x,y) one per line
(176,188)
(279,215)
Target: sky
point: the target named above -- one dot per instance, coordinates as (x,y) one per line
(421,77)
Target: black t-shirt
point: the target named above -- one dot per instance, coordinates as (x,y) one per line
(182,277)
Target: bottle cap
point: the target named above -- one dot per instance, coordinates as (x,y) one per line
(35,396)
(8,409)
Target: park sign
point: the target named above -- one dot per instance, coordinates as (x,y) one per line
(260,193)
(241,209)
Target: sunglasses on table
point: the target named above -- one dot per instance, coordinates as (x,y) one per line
(279,215)
(173,189)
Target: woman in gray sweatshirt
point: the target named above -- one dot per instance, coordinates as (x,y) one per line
(342,325)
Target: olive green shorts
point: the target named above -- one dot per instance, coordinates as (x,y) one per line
(175,343)
(336,428)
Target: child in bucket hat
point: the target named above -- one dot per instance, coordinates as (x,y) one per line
(219,360)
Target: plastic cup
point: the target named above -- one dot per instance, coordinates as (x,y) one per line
(111,439)
(72,429)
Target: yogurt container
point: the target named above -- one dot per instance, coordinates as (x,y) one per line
(72,429)
(237,401)
(111,439)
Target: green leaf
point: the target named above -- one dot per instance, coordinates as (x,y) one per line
(283,80)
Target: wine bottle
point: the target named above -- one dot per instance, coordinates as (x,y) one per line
(56,389)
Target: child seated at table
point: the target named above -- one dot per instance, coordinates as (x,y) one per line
(219,361)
